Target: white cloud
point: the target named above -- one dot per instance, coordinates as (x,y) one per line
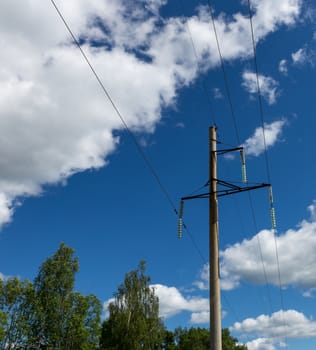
(217,93)
(3,277)
(171,301)
(54,119)
(203,282)
(227,282)
(255,145)
(300,56)
(200,317)
(271,330)
(312,210)
(283,67)
(268,86)
(296,256)
(304,56)
(275,13)
(180,125)
(106,307)
(260,344)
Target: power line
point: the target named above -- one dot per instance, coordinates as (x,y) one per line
(149,165)
(236,316)
(136,143)
(260,250)
(141,152)
(186,24)
(224,72)
(195,244)
(238,140)
(265,151)
(259,91)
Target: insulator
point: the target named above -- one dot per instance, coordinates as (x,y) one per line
(243,156)
(180,225)
(180,222)
(273,219)
(243,166)
(270,195)
(244,173)
(181,209)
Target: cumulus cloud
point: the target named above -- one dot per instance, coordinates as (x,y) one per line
(54,119)
(203,281)
(217,94)
(200,317)
(227,282)
(272,329)
(300,56)
(312,210)
(171,302)
(283,67)
(268,86)
(260,344)
(255,145)
(296,256)
(3,277)
(275,13)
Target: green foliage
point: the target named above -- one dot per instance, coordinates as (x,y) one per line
(64,319)
(193,338)
(229,342)
(168,342)
(133,321)
(3,322)
(199,339)
(15,298)
(49,314)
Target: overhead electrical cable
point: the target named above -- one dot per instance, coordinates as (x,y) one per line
(224,72)
(117,111)
(146,160)
(204,88)
(239,142)
(141,152)
(236,316)
(266,153)
(259,92)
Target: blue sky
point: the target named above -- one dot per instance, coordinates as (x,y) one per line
(71,173)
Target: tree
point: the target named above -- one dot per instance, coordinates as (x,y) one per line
(15,301)
(199,339)
(193,338)
(3,321)
(168,342)
(133,322)
(64,319)
(229,342)
(49,314)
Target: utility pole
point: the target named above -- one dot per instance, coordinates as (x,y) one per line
(213,193)
(214,275)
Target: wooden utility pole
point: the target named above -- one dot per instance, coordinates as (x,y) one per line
(214,276)
(227,188)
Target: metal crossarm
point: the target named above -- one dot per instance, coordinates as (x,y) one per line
(223,151)
(232,190)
